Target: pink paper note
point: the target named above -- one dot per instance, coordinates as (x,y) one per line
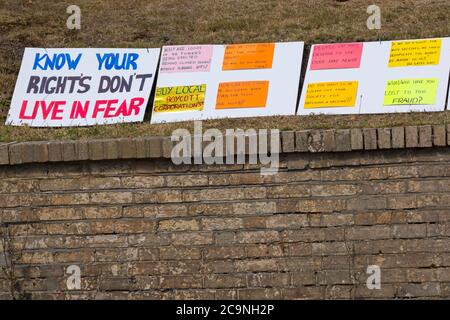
(186,58)
(337,56)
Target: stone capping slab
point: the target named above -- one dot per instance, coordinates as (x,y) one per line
(304,141)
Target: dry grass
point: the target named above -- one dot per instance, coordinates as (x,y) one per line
(153,23)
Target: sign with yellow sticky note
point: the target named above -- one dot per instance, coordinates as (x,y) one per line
(202,82)
(411,92)
(415,53)
(388,76)
(180,98)
(331,94)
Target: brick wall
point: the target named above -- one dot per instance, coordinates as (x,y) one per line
(140,227)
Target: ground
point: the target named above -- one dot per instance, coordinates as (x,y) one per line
(154,23)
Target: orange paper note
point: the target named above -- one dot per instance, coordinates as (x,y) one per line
(248,56)
(246,94)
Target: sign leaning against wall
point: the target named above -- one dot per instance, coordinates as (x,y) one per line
(377,77)
(199,82)
(81,87)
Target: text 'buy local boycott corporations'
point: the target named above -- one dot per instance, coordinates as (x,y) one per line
(76,87)
(377,77)
(180,98)
(199,82)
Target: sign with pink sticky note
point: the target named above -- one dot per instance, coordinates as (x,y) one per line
(337,56)
(186,59)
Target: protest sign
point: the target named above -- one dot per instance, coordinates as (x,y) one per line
(411,75)
(80,87)
(392,76)
(238,80)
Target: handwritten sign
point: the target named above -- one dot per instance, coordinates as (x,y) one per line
(244,80)
(180,98)
(415,53)
(195,58)
(411,92)
(248,56)
(337,56)
(331,94)
(78,87)
(245,94)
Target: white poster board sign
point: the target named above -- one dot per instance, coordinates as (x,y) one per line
(412,75)
(199,82)
(80,87)
(376,77)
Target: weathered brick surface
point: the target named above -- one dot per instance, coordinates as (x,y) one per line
(425,136)
(40,152)
(142,227)
(54,151)
(357,139)
(4,156)
(343,140)
(411,137)
(305,141)
(384,138)
(96,150)
(439,136)
(15,153)
(370,139)
(398,137)
(302,141)
(288,141)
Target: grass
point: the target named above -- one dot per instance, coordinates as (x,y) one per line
(154,23)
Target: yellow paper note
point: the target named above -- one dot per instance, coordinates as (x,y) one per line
(181,98)
(415,53)
(331,94)
(411,92)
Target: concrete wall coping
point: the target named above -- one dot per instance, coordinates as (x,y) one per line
(329,140)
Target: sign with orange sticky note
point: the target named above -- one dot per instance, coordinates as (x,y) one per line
(415,53)
(331,94)
(242,94)
(239,80)
(248,56)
